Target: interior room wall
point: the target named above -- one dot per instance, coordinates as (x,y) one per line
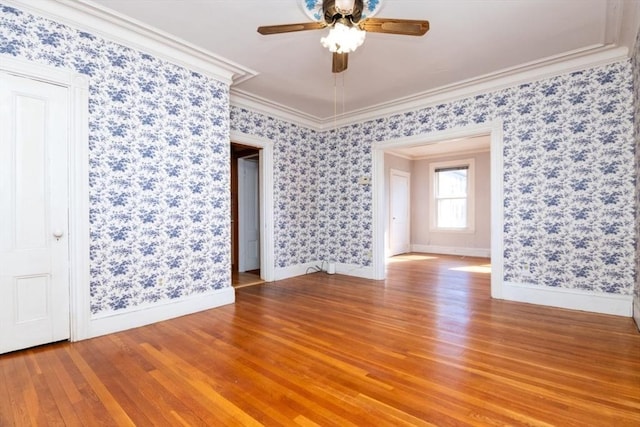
(423,238)
(569,177)
(159,165)
(345,204)
(635,63)
(159,153)
(302,196)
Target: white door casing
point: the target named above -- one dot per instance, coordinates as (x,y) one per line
(495,130)
(248,214)
(34,196)
(267,245)
(399,212)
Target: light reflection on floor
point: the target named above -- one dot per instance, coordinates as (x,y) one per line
(486,268)
(413,257)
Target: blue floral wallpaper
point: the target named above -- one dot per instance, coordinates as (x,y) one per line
(568,175)
(160,172)
(635,61)
(321,212)
(159,165)
(296,164)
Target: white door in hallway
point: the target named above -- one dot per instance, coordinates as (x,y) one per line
(34,252)
(248,214)
(399,221)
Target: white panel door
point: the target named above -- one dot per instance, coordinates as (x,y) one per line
(399,239)
(248,214)
(34,253)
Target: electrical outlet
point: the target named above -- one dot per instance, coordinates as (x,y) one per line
(364,180)
(526,270)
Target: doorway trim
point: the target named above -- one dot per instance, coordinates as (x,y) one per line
(78,156)
(495,130)
(267,266)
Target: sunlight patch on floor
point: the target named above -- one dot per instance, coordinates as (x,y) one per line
(486,268)
(404,258)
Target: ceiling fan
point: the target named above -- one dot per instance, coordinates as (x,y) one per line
(348,28)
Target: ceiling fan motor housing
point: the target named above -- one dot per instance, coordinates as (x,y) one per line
(332,13)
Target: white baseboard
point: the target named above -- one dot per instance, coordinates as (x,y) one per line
(636,312)
(618,305)
(282,273)
(301,269)
(355,270)
(141,316)
(452,250)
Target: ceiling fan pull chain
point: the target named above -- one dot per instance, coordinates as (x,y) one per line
(343,91)
(335,103)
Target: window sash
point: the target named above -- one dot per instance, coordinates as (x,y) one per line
(452,212)
(452,204)
(450,184)
(451,194)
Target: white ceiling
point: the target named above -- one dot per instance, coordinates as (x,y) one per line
(468,40)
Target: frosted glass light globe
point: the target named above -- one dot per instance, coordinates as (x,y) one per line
(343,39)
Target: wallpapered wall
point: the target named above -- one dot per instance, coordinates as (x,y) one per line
(635,63)
(568,173)
(321,212)
(159,165)
(568,178)
(296,186)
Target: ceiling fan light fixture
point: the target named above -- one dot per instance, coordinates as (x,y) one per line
(343,39)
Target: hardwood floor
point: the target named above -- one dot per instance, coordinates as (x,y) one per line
(425,347)
(240,280)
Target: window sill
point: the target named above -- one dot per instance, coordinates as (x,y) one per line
(453,230)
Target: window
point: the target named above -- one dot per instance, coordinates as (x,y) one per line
(452,196)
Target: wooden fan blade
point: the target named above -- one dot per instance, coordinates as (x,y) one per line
(340,62)
(408,27)
(289,28)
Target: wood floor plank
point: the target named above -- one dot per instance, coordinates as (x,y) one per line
(427,346)
(21,391)
(43,402)
(289,386)
(113,406)
(59,388)
(293,374)
(246,375)
(145,402)
(86,403)
(200,386)
(6,404)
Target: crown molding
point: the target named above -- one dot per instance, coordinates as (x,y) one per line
(552,66)
(91,17)
(243,99)
(96,19)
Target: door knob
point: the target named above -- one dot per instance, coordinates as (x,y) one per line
(57,234)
